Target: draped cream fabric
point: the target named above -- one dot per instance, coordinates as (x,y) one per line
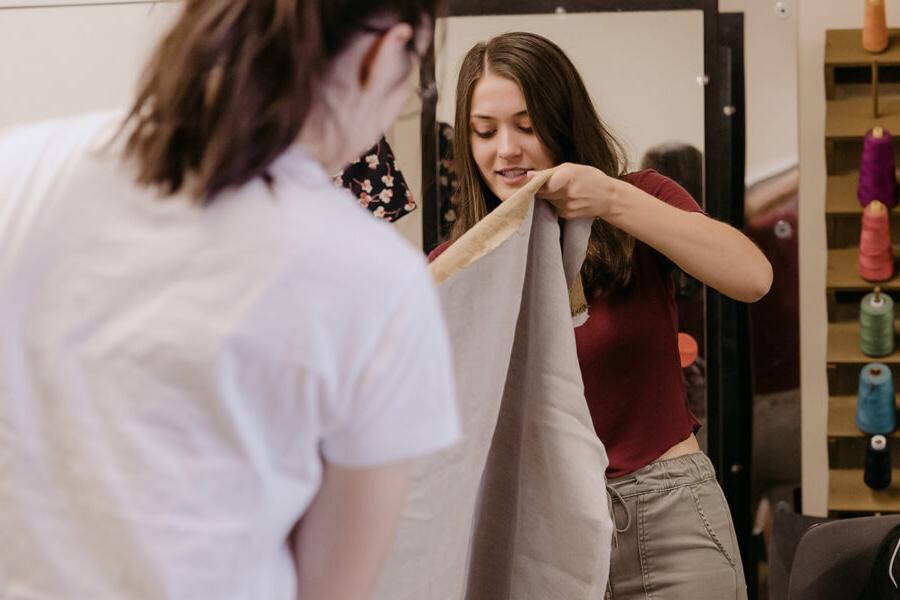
(518,510)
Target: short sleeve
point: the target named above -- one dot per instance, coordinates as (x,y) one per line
(663,188)
(667,190)
(403,403)
(432,256)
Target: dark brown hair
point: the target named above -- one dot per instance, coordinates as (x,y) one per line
(564,120)
(229,88)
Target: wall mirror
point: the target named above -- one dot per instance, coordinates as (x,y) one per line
(660,77)
(646,66)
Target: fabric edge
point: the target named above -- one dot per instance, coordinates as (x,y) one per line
(488,234)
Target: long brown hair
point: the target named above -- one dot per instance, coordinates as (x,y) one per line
(564,120)
(230,87)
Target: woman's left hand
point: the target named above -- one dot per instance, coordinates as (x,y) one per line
(578,191)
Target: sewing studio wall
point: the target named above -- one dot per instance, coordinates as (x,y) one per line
(64,58)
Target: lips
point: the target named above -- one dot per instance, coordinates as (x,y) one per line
(515,175)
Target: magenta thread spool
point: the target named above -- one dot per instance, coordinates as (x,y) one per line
(877,180)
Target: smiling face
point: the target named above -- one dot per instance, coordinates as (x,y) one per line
(504,144)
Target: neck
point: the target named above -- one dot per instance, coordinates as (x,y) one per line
(325,133)
(321,141)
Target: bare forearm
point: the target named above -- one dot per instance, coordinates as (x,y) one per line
(345,534)
(715,253)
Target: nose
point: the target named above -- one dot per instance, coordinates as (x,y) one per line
(509,146)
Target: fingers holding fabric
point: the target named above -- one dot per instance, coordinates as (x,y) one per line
(577,191)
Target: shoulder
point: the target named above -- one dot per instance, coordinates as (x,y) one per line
(362,261)
(34,149)
(84,127)
(377,248)
(662,188)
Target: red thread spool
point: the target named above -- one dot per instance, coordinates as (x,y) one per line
(687,349)
(876,262)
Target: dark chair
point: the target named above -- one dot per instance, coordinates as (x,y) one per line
(788,527)
(834,559)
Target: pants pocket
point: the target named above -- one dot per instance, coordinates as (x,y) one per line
(716,518)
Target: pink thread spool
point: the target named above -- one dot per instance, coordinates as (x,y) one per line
(877,179)
(876,262)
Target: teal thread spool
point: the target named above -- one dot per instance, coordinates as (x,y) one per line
(875,411)
(876,324)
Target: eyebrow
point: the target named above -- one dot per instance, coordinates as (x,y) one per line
(521,113)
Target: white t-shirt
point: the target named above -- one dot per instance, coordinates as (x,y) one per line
(170,375)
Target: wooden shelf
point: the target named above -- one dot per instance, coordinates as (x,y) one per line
(840,195)
(842,274)
(850,81)
(843,346)
(848,119)
(847,492)
(843,48)
(842,419)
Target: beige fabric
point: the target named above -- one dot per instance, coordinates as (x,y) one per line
(518,510)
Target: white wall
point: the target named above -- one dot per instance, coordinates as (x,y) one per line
(770,62)
(65,60)
(405,139)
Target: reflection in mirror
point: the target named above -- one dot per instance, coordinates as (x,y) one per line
(641,68)
(642,71)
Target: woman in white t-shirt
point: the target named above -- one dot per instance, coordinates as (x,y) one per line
(215,366)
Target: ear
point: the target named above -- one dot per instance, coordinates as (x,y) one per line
(387,52)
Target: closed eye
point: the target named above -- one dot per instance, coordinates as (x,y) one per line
(485,134)
(528,130)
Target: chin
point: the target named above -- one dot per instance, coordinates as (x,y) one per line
(502,194)
(505,191)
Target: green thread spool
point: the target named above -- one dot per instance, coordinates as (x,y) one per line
(876,324)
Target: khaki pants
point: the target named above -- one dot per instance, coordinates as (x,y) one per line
(674,538)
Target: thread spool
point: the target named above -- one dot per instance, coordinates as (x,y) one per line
(877,473)
(688,349)
(876,324)
(875,33)
(875,261)
(875,409)
(877,177)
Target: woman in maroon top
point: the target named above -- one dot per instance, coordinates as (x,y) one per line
(522,107)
